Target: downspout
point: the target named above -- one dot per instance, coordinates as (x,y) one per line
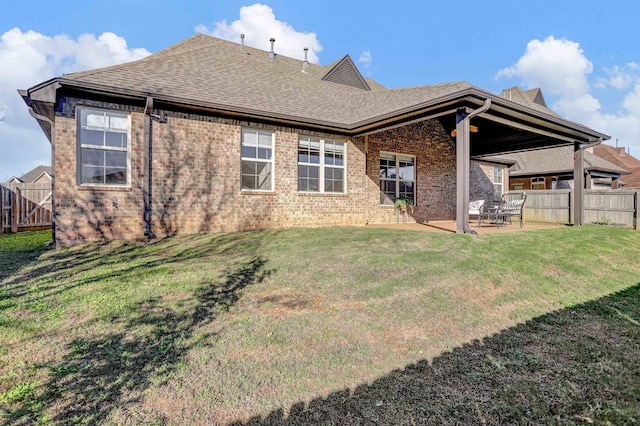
(366,192)
(463,155)
(578,179)
(146,185)
(53,163)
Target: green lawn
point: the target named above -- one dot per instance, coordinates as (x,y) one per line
(328,325)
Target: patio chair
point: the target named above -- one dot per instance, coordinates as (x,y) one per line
(511,205)
(476,209)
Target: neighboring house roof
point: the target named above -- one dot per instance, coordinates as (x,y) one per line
(552,161)
(619,157)
(531,98)
(33,175)
(219,75)
(14,179)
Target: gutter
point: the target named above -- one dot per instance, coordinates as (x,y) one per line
(358,128)
(53,170)
(42,118)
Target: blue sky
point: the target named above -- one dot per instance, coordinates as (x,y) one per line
(584,54)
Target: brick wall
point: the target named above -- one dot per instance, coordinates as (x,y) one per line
(90,213)
(481,181)
(196,179)
(435,165)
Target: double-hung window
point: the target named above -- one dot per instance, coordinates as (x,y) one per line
(397,177)
(497,183)
(321,165)
(104,148)
(257,160)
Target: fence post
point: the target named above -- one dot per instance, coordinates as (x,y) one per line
(635,210)
(1,209)
(570,204)
(15,197)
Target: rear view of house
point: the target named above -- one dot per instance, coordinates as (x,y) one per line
(210,135)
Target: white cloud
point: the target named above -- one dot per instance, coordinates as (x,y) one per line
(559,66)
(561,69)
(29,58)
(365,58)
(620,77)
(258,23)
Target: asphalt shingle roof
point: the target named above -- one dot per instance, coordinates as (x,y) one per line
(211,71)
(557,160)
(619,157)
(33,174)
(531,98)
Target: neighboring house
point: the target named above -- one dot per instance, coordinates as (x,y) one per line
(621,158)
(40,174)
(553,169)
(210,135)
(26,201)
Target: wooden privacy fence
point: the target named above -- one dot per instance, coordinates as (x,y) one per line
(612,207)
(25,206)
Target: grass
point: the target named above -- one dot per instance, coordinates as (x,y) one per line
(331,325)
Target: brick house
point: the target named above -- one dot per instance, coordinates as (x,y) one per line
(210,135)
(621,158)
(553,169)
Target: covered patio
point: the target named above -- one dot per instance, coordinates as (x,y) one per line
(485,124)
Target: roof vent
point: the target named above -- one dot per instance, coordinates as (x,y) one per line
(305,64)
(272,54)
(242,42)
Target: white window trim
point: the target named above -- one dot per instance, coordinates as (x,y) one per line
(397,180)
(538,181)
(501,183)
(81,145)
(322,166)
(260,160)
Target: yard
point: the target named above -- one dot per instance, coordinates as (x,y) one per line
(327,325)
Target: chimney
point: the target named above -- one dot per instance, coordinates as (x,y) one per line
(272,54)
(242,42)
(305,64)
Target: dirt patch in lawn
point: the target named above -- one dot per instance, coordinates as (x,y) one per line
(287,302)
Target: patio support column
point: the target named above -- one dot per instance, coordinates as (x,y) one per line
(579,180)
(463,158)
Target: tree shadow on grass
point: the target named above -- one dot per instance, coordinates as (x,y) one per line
(573,366)
(111,371)
(78,266)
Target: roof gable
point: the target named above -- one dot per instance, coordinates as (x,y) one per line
(536,96)
(34,174)
(345,72)
(530,98)
(14,179)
